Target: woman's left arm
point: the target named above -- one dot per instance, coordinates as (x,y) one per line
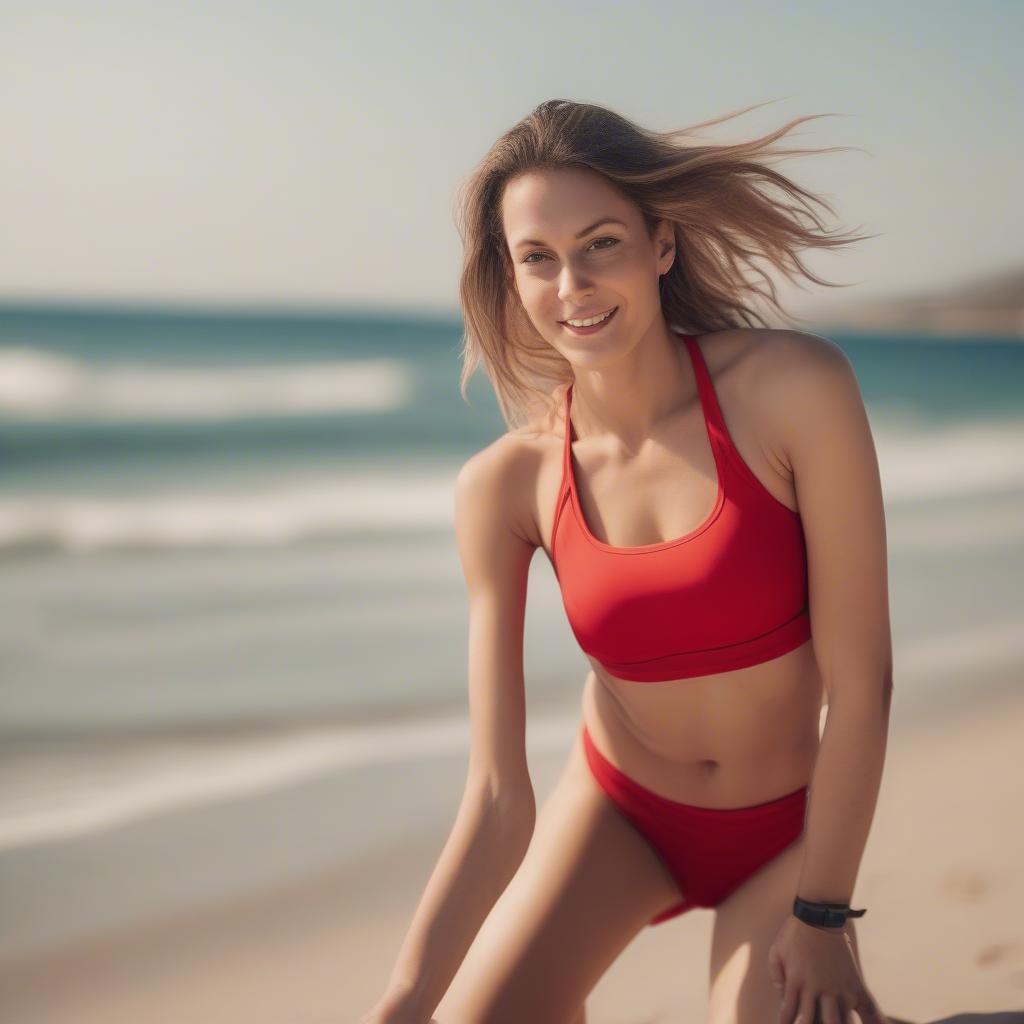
(824,430)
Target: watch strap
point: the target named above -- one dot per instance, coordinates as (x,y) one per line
(824,915)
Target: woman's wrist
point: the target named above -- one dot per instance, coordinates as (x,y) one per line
(820,914)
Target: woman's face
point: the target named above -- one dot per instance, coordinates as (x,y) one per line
(570,265)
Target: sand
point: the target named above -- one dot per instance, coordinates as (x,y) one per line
(942,876)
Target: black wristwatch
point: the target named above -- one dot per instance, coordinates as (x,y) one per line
(824,915)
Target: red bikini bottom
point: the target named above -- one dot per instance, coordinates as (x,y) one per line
(710,851)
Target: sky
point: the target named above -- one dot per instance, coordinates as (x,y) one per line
(308,154)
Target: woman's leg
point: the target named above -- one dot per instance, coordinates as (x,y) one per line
(589,882)
(746,923)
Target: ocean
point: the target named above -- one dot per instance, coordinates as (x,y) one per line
(228,569)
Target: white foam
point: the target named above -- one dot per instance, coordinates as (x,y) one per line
(972,651)
(87,798)
(269,515)
(943,529)
(41,386)
(953,461)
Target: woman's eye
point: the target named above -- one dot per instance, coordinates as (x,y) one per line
(614,242)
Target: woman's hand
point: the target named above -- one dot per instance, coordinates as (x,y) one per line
(816,972)
(396,1007)
(393,1015)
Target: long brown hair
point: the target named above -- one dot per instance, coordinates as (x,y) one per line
(715,195)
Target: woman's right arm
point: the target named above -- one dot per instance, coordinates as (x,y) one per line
(495,820)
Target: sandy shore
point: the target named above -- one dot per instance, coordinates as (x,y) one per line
(942,877)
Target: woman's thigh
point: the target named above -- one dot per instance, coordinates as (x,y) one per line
(746,924)
(589,882)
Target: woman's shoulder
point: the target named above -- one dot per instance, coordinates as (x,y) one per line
(506,474)
(525,443)
(765,365)
(776,374)
(790,347)
(770,346)
(784,364)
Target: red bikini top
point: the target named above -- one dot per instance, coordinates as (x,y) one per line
(728,594)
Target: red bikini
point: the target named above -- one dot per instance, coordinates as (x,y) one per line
(709,851)
(729,594)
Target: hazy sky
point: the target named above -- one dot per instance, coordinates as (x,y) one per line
(308,152)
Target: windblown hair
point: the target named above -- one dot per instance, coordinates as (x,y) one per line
(716,196)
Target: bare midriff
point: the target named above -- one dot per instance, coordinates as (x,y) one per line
(732,739)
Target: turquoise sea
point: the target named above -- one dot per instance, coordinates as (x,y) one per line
(227,568)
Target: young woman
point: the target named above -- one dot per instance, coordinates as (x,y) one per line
(708,495)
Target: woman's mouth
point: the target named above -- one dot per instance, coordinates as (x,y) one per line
(592,328)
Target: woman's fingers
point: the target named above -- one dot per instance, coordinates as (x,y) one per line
(828,1010)
(867,1009)
(808,1005)
(790,1000)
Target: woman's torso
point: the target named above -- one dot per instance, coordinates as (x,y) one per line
(733,738)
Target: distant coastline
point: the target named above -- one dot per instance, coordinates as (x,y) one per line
(991,307)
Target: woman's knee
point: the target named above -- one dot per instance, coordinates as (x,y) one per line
(587,885)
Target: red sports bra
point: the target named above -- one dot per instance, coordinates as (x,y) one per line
(728,594)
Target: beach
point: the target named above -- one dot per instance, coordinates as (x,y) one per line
(941,878)
(268,295)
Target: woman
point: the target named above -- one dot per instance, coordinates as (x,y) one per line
(708,495)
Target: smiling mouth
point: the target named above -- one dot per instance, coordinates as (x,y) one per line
(604,316)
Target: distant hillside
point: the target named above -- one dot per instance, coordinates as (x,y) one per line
(990,306)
